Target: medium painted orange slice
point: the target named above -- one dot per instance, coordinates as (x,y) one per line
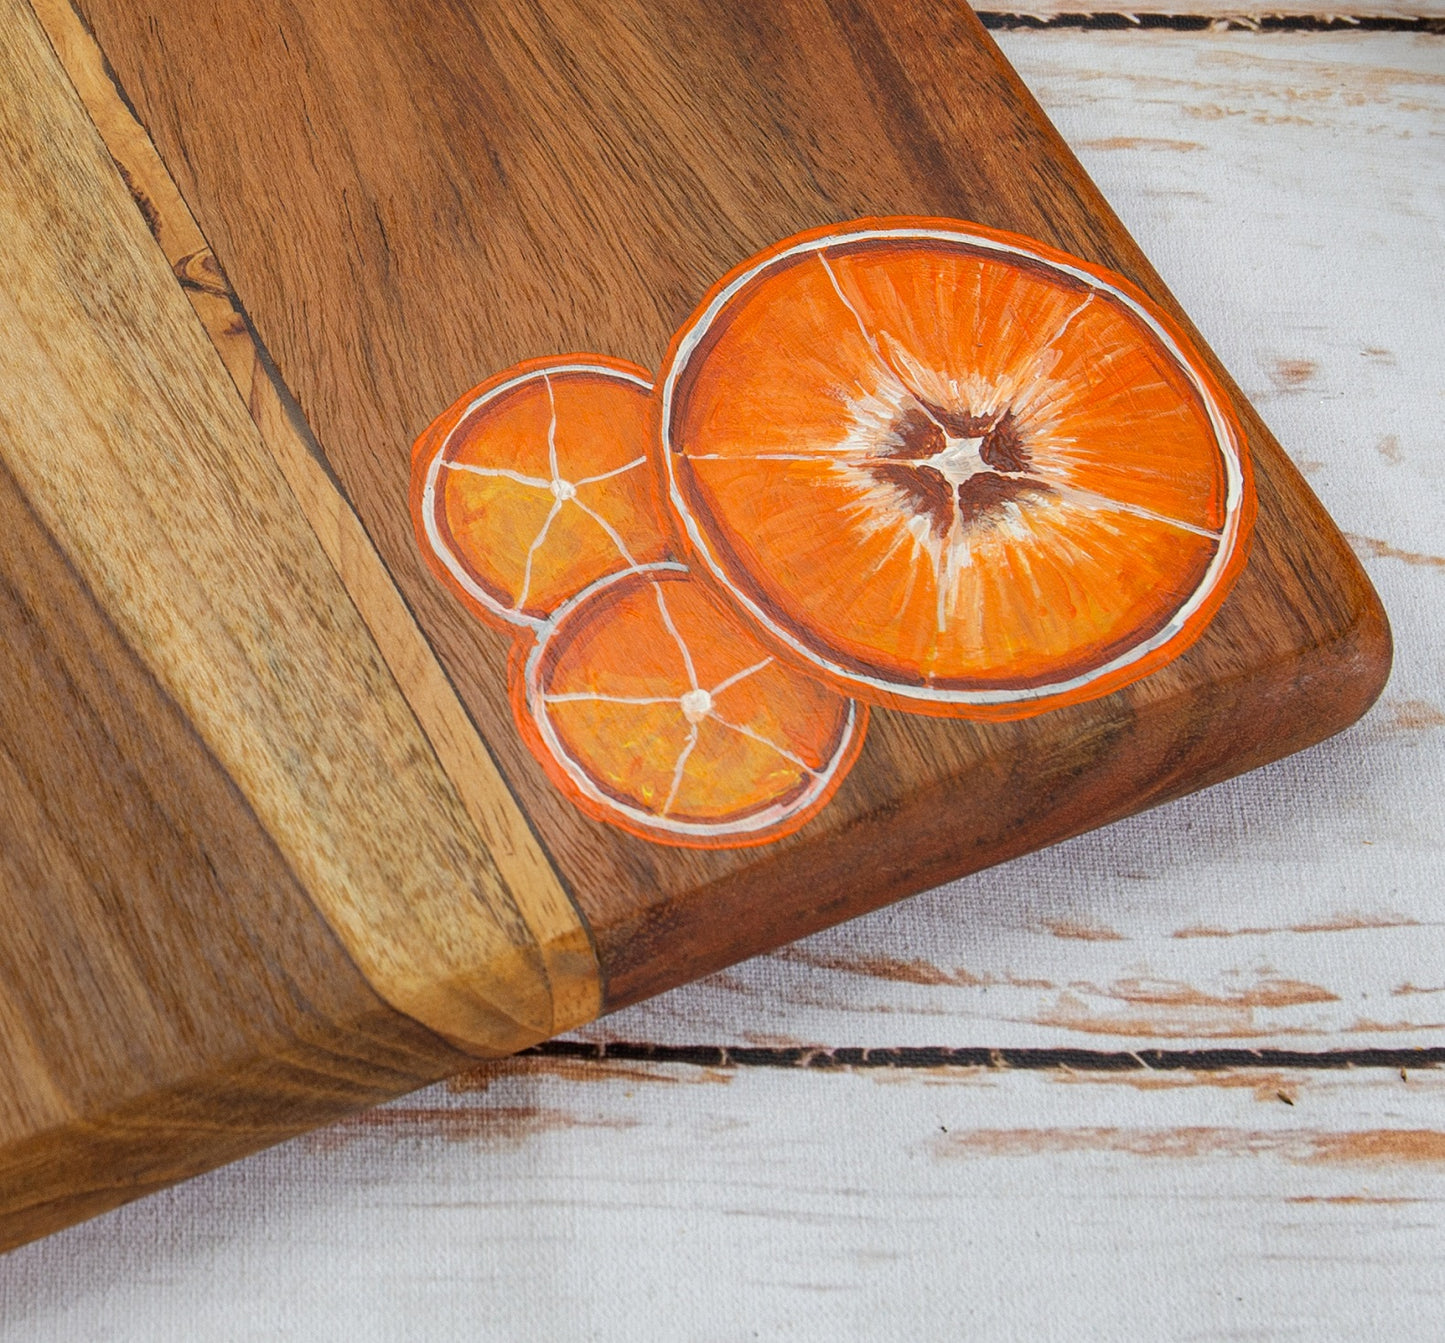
(655,708)
(536,484)
(958,472)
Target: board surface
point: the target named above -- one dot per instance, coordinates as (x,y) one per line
(510,181)
(216,798)
(373,285)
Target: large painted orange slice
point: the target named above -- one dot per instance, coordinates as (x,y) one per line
(956,471)
(536,484)
(655,708)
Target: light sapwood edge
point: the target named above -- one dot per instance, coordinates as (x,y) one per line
(445,958)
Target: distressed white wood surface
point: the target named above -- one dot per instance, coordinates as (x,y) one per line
(1244,13)
(1291,189)
(685,1203)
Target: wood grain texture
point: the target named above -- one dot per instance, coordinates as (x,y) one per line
(549,914)
(241,895)
(216,998)
(155,511)
(409,196)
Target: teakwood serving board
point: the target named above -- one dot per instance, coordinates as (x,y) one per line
(273,848)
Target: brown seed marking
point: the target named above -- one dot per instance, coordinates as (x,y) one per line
(924,490)
(1003,446)
(921,434)
(916,438)
(985,493)
(958,423)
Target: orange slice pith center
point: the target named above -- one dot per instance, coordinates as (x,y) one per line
(664,712)
(947,468)
(541,487)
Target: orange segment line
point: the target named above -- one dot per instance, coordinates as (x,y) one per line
(728,682)
(1064,326)
(536,482)
(871,340)
(678,768)
(608,475)
(551,428)
(612,533)
(1102,503)
(532,553)
(588,697)
(764,741)
(868,337)
(676,637)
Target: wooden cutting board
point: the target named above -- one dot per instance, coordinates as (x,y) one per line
(299,808)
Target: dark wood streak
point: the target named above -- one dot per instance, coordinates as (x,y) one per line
(409,196)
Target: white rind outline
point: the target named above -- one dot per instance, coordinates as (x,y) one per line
(439,548)
(701,323)
(774,815)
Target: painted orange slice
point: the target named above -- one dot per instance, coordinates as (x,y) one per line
(957,471)
(654,707)
(536,484)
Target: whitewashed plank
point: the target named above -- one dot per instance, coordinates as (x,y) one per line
(630,1203)
(1289,189)
(1241,12)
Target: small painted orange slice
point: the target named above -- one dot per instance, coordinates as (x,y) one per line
(958,472)
(655,708)
(536,484)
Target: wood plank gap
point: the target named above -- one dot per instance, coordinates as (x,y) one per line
(999,21)
(1027,1059)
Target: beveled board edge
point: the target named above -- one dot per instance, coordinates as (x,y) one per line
(458,964)
(660,947)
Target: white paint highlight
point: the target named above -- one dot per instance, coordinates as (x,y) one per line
(562,490)
(1229,449)
(696,705)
